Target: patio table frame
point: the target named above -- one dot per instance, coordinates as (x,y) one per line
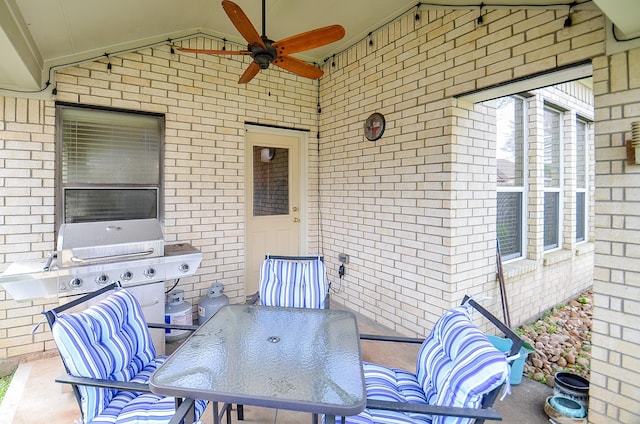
(306,360)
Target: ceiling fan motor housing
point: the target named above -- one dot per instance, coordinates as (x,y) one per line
(263,57)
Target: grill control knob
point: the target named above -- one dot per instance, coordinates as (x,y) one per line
(75,283)
(150,272)
(184,267)
(127,275)
(102,279)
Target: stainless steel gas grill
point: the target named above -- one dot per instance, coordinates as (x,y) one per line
(91,255)
(132,252)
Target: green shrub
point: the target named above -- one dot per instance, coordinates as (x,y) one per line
(4,385)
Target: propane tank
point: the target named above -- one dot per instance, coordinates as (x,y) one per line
(210,303)
(177,311)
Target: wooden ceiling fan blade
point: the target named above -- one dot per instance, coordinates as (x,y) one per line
(242,23)
(309,40)
(206,51)
(251,71)
(298,67)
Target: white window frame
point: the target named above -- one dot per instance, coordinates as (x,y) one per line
(560,188)
(522,190)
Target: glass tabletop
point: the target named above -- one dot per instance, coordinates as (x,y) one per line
(291,358)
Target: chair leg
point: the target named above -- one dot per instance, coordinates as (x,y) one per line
(240,413)
(216,415)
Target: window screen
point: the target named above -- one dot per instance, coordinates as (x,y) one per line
(509,224)
(110,164)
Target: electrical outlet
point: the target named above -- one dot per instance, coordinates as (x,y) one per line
(343,257)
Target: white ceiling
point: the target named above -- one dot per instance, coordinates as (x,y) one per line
(36,35)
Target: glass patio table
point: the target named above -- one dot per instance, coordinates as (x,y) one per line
(305,360)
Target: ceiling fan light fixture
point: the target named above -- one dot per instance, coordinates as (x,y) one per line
(263,59)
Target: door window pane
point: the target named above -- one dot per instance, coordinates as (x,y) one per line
(270,181)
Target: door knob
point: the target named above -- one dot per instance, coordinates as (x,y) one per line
(296,219)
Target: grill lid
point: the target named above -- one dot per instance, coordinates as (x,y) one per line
(86,243)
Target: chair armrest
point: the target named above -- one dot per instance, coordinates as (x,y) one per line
(383,338)
(99,382)
(423,408)
(186,405)
(172,326)
(517,341)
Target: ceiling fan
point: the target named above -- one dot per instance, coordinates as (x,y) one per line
(265,51)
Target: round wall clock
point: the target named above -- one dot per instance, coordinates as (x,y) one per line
(374,126)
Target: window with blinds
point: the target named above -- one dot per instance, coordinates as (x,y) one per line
(109,164)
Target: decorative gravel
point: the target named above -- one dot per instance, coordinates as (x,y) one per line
(561,339)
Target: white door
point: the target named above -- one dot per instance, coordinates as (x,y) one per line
(274,197)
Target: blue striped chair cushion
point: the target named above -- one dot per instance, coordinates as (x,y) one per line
(110,340)
(391,384)
(456,366)
(296,284)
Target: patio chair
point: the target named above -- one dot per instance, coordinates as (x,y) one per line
(109,356)
(458,376)
(293,281)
